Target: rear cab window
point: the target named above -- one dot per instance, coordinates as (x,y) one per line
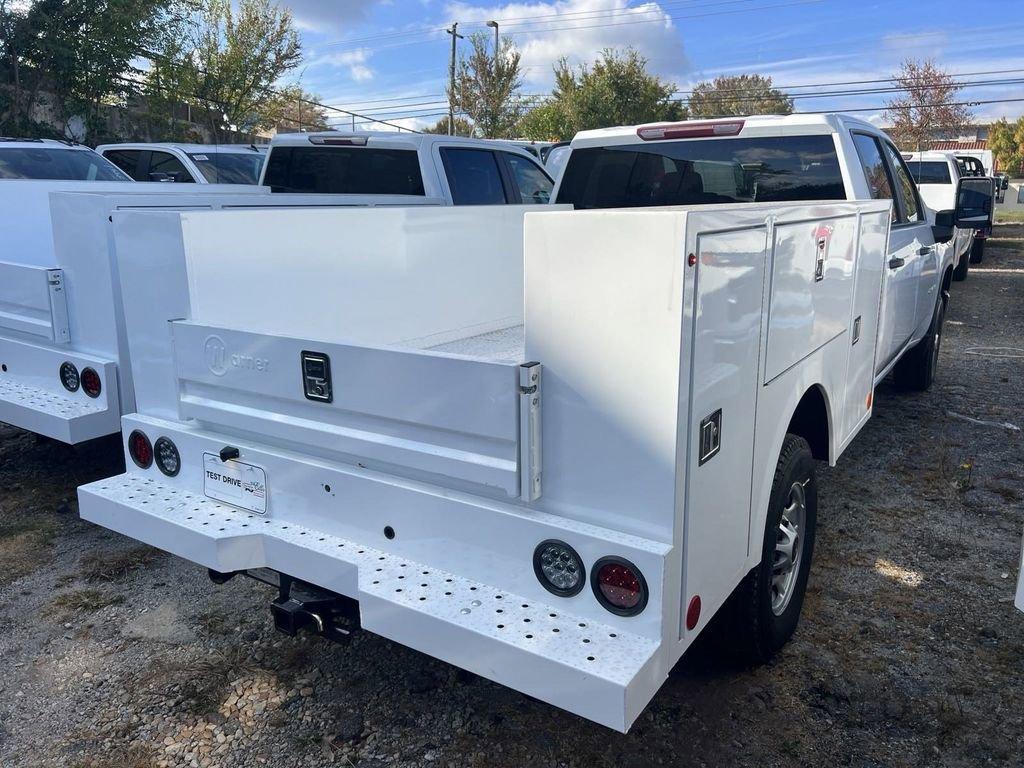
(344,170)
(704,171)
(929,171)
(532,184)
(229,167)
(474,176)
(56,163)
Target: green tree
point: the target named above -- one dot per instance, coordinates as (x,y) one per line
(927,105)
(487,88)
(462,127)
(227,62)
(294,109)
(1006,140)
(616,90)
(738,95)
(64,61)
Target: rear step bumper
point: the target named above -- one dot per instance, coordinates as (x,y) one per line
(71,417)
(591,669)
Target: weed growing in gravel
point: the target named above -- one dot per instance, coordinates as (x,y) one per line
(133,757)
(203,681)
(114,566)
(23,541)
(85,600)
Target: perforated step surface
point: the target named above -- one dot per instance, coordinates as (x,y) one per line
(33,398)
(540,629)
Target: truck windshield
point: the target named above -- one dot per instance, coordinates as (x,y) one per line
(229,167)
(344,170)
(55,163)
(929,172)
(703,171)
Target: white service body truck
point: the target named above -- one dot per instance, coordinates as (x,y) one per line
(64,369)
(551,469)
(937,175)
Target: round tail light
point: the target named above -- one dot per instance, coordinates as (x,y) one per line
(619,586)
(91,384)
(69,377)
(168,460)
(559,569)
(140,449)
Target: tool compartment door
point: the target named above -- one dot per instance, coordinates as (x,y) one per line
(32,302)
(728,311)
(445,419)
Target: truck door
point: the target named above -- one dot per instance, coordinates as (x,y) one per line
(914,233)
(899,305)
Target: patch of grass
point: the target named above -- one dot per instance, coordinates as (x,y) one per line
(115,566)
(131,757)
(1009,217)
(85,600)
(23,544)
(204,681)
(215,622)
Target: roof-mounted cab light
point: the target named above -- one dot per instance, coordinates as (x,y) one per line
(690,130)
(341,141)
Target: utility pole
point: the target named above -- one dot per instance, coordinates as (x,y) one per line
(454,32)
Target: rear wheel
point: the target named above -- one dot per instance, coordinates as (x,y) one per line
(978,251)
(765,608)
(915,371)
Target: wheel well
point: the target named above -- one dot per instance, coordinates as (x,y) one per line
(947,277)
(810,421)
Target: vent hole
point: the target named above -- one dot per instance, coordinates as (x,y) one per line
(389,532)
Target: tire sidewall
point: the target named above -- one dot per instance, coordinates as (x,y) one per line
(799,465)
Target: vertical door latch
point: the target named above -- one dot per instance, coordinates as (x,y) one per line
(710,437)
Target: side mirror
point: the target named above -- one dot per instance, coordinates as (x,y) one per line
(942,229)
(974,198)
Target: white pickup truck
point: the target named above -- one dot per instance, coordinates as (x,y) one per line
(64,369)
(937,175)
(187,163)
(457,171)
(552,467)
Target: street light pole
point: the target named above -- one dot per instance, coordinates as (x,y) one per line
(454,32)
(497,45)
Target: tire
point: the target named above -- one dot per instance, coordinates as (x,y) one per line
(765,608)
(960,271)
(915,371)
(978,251)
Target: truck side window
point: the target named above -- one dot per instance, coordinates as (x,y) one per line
(905,185)
(532,184)
(877,176)
(127,160)
(473,176)
(165,162)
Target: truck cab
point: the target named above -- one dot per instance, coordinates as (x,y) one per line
(458,171)
(188,163)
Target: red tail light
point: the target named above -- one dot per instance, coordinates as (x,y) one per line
(140,449)
(91,384)
(619,586)
(693,613)
(690,130)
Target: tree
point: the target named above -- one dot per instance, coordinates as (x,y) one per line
(1006,140)
(738,95)
(462,127)
(616,90)
(66,60)
(487,88)
(927,106)
(227,63)
(294,109)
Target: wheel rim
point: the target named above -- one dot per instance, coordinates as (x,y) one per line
(789,546)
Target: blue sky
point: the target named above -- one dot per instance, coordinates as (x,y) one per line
(389,58)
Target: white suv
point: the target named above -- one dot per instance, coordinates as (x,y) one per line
(188,163)
(52,159)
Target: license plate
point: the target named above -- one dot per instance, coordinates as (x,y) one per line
(236,483)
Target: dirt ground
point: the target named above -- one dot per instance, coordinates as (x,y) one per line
(910,652)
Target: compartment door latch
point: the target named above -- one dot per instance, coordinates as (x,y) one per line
(710,437)
(530,467)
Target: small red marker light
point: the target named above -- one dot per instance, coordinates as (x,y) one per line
(691,259)
(693,612)
(91,383)
(871,397)
(140,449)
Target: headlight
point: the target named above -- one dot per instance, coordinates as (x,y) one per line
(558,567)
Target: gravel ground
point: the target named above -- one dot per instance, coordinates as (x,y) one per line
(910,652)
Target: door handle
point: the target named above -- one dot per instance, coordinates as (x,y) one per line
(896,262)
(925,250)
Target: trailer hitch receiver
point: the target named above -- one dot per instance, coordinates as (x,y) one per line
(301,606)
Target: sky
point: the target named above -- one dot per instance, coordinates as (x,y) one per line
(388,59)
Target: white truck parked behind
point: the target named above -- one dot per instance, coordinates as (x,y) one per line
(458,171)
(550,468)
(188,163)
(64,369)
(937,175)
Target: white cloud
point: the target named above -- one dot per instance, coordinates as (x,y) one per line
(579,32)
(330,15)
(355,61)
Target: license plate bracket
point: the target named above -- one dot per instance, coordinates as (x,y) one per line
(236,483)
